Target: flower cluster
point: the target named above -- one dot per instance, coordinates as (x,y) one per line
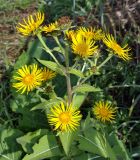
(83,40)
(31,77)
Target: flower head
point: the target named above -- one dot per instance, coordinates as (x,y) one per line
(64,117)
(51,27)
(82,46)
(47,74)
(28,78)
(31,25)
(104,111)
(91,33)
(122,52)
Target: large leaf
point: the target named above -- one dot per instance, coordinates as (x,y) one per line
(53,66)
(86,88)
(29,139)
(67,139)
(93,142)
(118,147)
(9,148)
(46,147)
(76,72)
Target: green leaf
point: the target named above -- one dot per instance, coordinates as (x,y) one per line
(86,88)
(9,148)
(57,49)
(82,156)
(67,139)
(76,72)
(86,123)
(118,147)
(28,119)
(92,142)
(46,104)
(29,139)
(46,147)
(78,99)
(53,66)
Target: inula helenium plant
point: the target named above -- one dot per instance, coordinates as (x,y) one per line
(76,56)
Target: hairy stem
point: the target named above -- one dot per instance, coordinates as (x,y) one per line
(69,89)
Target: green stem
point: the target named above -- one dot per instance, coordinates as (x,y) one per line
(46,48)
(58,43)
(69,89)
(83,68)
(133,105)
(105,61)
(102,64)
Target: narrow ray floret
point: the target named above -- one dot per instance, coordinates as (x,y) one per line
(122,52)
(83,47)
(27,78)
(69,34)
(91,33)
(31,24)
(104,111)
(51,27)
(64,117)
(47,74)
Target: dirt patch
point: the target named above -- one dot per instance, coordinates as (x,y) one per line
(10,41)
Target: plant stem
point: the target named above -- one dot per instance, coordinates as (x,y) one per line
(59,44)
(105,61)
(83,68)
(133,105)
(69,89)
(102,64)
(46,48)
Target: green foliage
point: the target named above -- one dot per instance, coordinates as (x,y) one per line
(52,65)
(29,120)
(28,140)
(9,149)
(46,147)
(76,72)
(86,88)
(66,140)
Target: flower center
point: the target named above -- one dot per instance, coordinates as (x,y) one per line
(103,112)
(82,48)
(28,79)
(64,117)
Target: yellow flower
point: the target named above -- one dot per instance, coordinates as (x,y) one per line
(122,52)
(91,33)
(104,111)
(83,47)
(51,27)
(28,78)
(31,25)
(70,34)
(64,117)
(47,74)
